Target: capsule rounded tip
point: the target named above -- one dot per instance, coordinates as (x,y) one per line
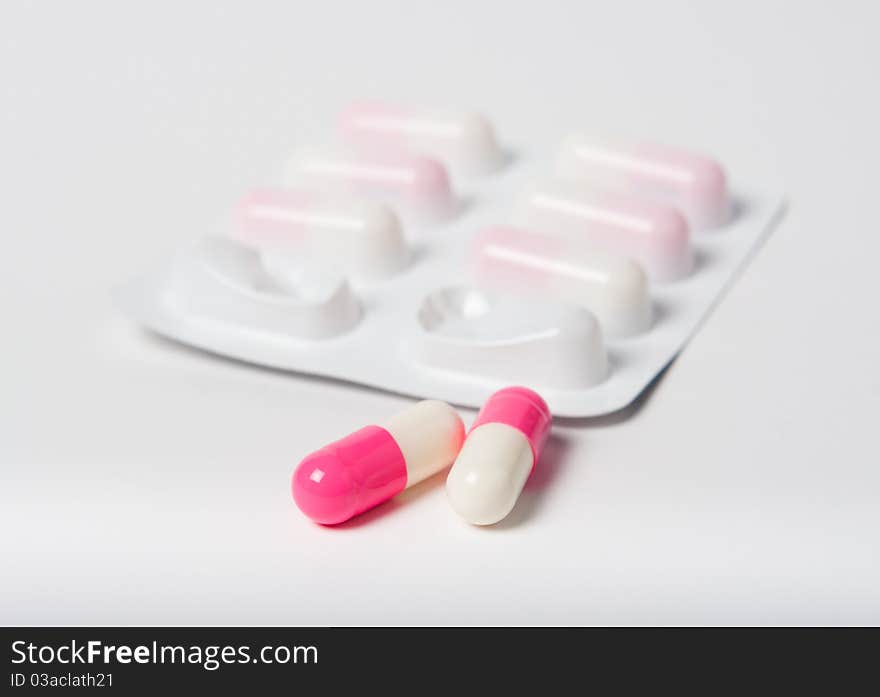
(624,306)
(477,129)
(671,230)
(381,248)
(489,473)
(382,228)
(709,178)
(429,192)
(323,489)
(524,393)
(627,282)
(479,147)
(669,248)
(430,178)
(708,204)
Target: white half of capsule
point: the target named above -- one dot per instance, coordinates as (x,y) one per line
(429,435)
(417,185)
(359,238)
(462,139)
(654,235)
(694,184)
(489,473)
(613,288)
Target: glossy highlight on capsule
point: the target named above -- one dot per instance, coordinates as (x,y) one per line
(370,466)
(419,185)
(463,139)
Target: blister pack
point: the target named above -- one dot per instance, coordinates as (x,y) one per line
(416,256)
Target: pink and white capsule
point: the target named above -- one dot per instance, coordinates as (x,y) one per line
(419,185)
(368,467)
(654,235)
(694,184)
(358,237)
(613,288)
(499,453)
(463,139)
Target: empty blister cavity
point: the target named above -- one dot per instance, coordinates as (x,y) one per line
(415,184)
(224,280)
(357,237)
(694,184)
(493,337)
(463,139)
(614,288)
(654,235)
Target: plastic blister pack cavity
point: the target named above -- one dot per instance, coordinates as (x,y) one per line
(580,272)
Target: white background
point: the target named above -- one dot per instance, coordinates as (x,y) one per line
(146,483)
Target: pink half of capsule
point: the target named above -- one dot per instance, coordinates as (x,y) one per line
(654,235)
(370,466)
(498,455)
(694,184)
(462,138)
(418,184)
